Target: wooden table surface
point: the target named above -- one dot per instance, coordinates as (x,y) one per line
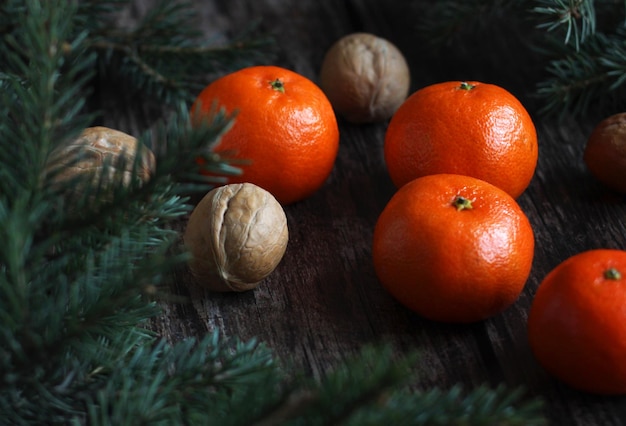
(324,302)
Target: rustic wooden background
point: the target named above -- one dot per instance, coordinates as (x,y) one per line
(323,302)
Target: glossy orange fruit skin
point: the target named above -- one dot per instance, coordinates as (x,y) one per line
(483,132)
(452,265)
(577,322)
(289,136)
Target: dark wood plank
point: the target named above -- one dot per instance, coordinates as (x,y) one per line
(324,302)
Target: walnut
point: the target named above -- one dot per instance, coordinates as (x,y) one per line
(237,236)
(365,77)
(97,149)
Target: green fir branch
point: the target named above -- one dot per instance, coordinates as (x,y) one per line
(592,76)
(576,17)
(186,383)
(365,380)
(455,406)
(166,57)
(588,72)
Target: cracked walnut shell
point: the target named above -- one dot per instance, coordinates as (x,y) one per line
(237,236)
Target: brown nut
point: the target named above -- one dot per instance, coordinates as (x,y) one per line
(365,77)
(98,148)
(605,153)
(237,235)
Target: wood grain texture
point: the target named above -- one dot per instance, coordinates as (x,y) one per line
(324,302)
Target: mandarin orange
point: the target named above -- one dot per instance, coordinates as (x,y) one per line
(285,128)
(577,321)
(467,128)
(453,248)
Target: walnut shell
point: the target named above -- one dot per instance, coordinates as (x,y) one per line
(96,148)
(365,77)
(237,236)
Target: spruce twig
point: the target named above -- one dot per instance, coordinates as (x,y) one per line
(576,17)
(592,76)
(166,57)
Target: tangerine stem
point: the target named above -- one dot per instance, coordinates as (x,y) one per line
(466,86)
(278,85)
(612,274)
(462,203)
